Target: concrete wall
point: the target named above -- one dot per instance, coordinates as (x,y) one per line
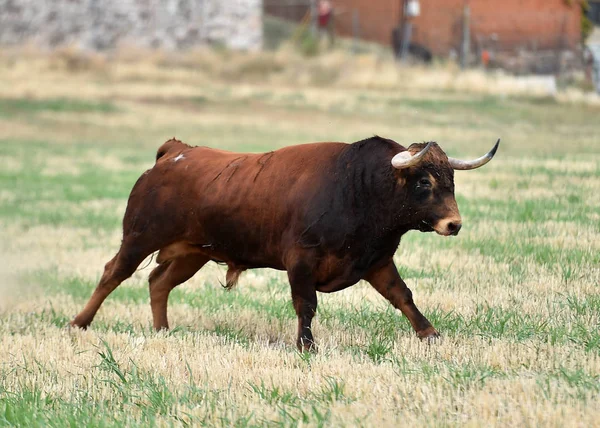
(104,24)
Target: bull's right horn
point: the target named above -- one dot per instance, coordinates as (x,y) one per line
(405,159)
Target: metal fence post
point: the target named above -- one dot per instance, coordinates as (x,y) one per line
(355,30)
(466,36)
(314,16)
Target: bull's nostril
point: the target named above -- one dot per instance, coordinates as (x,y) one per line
(454,228)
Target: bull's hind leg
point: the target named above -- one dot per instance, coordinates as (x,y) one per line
(121,267)
(165,277)
(304,298)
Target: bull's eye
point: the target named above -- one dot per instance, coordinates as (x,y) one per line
(424,183)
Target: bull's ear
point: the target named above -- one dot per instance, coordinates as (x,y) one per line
(405,159)
(475,163)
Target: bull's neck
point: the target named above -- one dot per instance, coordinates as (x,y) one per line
(386,205)
(367,188)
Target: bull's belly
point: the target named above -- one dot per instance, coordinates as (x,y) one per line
(337,284)
(333,273)
(234,259)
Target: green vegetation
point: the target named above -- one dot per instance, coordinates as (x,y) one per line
(23,106)
(516,295)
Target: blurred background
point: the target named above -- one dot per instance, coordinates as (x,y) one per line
(263,51)
(556,38)
(552,37)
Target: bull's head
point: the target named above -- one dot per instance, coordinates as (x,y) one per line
(427,175)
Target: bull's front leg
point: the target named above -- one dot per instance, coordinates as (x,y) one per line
(387,281)
(304,298)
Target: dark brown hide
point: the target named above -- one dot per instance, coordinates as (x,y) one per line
(329,214)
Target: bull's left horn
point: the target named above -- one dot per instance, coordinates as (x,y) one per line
(405,159)
(475,163)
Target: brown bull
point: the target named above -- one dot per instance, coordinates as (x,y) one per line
(330,214)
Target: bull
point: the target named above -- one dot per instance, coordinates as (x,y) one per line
(329,214)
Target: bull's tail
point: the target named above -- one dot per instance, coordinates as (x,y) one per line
(171,146)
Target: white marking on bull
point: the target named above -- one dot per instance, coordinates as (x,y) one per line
(179,157)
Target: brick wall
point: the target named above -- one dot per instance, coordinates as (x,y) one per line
(377,18)
(517,24)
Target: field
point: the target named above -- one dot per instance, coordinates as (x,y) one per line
(516,295)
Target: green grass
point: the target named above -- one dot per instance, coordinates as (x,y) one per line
(567,322)
(515,295)
(10,107)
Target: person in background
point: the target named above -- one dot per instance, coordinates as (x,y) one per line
(591,64)
(325,21)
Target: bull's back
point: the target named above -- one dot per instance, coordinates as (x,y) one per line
(244,206)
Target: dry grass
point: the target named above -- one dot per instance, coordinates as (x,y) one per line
(515,295)
(337,68)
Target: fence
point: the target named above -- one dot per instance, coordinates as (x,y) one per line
(524,38)
(290,10)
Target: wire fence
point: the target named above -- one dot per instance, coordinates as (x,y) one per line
(470,38)
(291,10)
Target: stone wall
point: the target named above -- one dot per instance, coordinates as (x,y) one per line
(106,24)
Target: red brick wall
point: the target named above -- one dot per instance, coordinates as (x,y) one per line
(541,24)
(377,18)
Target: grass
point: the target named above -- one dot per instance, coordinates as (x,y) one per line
(516,295)
(10,107)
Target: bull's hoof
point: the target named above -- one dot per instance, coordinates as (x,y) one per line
(78,325)
(305,345)
(430,334)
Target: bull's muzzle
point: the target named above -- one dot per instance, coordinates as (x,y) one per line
(448,226)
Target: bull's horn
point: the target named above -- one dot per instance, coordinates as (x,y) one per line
(475,163)
(405,159)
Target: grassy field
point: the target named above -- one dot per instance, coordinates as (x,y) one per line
(516,295)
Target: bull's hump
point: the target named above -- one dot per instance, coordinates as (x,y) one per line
(172,146)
